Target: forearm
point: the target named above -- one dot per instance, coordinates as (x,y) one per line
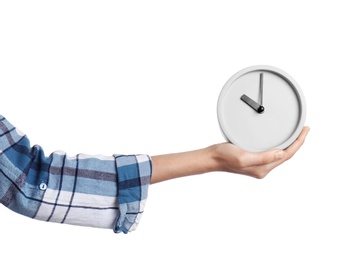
(170,166)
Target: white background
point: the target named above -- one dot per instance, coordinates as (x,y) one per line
(105,77)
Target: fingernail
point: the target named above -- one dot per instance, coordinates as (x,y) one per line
(279,155)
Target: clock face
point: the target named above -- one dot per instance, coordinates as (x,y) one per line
(261,108)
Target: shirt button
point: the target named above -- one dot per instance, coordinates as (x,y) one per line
(43,186)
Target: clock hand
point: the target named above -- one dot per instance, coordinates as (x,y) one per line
(258,108)
(261,89)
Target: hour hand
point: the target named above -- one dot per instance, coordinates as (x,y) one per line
(254,105)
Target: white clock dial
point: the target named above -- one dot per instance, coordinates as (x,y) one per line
(261,108)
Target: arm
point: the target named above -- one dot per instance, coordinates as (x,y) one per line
(108,191)
(222,157)
(87,190)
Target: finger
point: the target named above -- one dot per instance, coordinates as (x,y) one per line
(296,145)
(263,158)
(273,158)
(291,150)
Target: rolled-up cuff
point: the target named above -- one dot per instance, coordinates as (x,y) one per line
(133,180)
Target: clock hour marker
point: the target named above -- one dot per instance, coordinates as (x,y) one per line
(254,105)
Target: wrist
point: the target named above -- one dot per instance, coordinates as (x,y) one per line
(213,160)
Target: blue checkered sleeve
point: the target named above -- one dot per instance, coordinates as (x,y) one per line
(95,191)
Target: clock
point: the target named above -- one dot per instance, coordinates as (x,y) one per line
(261,108)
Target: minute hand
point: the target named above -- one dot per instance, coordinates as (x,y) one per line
(257,107)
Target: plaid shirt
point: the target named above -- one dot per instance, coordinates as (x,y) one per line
(95,191)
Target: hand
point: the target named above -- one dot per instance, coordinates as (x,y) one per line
(221,157)
(230,158)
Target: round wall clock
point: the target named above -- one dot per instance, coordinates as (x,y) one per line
(261,108)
